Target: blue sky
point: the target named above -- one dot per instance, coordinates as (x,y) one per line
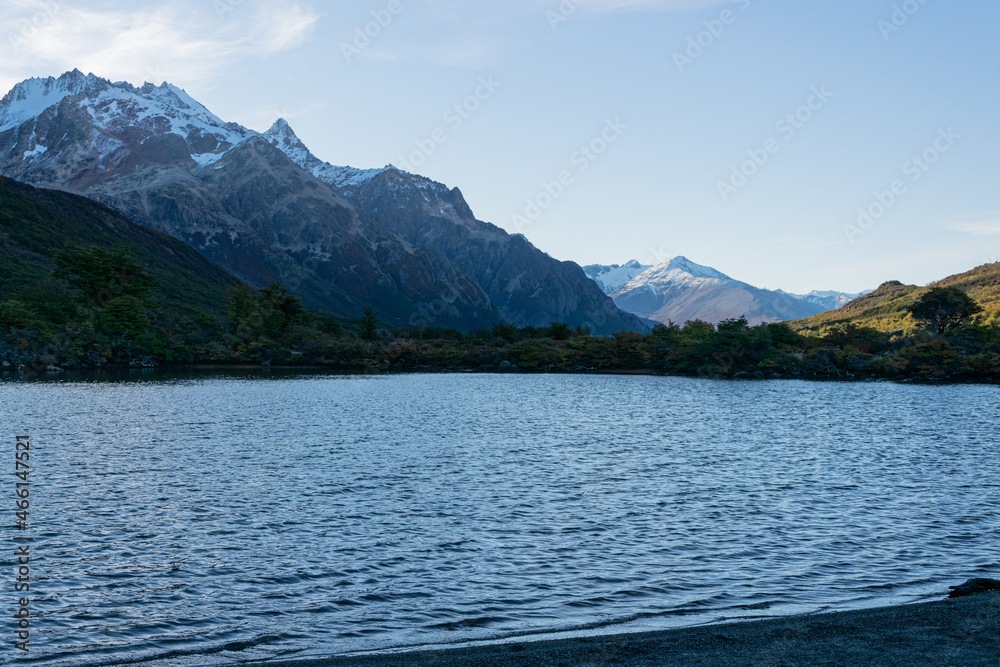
(745,135)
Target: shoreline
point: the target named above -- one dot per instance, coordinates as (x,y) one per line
(959,631)
(69,372)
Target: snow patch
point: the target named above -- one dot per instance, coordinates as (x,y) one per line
(206,159)
(39,150)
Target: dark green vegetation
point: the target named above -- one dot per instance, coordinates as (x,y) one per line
(83,287)
(944,309)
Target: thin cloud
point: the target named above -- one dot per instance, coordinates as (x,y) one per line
(623,6)
(178,40)
(988,227)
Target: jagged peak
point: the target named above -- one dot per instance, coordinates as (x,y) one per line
(280,126)
(281,134)
(31,97)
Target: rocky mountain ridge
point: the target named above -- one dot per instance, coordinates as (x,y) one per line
(261,206)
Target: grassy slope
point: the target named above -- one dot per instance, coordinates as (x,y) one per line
(35,224)
(885,308)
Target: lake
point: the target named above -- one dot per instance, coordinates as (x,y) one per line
(201,520)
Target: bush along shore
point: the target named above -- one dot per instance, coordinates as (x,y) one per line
(100,309)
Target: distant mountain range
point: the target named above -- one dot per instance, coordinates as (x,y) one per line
(679,291)
(827,299)
(264,208)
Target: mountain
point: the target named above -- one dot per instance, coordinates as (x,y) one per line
(527,286)
(679,291)
(35,224)
(885,308)
(829,300)
(258,207)
(610,277)
(160,158)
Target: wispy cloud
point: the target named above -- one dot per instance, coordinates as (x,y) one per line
(187,42)
(621,6)
(987,225)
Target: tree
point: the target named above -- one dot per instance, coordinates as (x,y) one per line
(328,324)
(505,331)
(104,275)
(559,331)
(52,299)
(124,314)
(280,310)
(242,306)
(369,324)
(944,309)
(15,314)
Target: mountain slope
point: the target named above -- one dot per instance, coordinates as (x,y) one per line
(680,291)
(35,224)
(885,308)
(162,159)
(528,287)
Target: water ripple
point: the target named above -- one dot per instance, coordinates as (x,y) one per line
(222,520)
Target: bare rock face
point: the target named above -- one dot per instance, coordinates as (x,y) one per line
(159,157)
(527,286)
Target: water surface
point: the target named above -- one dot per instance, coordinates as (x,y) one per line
(213,520)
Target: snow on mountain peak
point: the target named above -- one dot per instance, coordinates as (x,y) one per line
(676,271)
(31,97)
(611,277)
(116,107)
(159,109)
(281,130)
(685,265)
(282,136)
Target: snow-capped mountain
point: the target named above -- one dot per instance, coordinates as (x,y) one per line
(120,108)
(159,157)
(828,299)
(610,277)
(261,206)
(679,291)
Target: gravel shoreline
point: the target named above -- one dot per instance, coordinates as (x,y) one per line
(962,631)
